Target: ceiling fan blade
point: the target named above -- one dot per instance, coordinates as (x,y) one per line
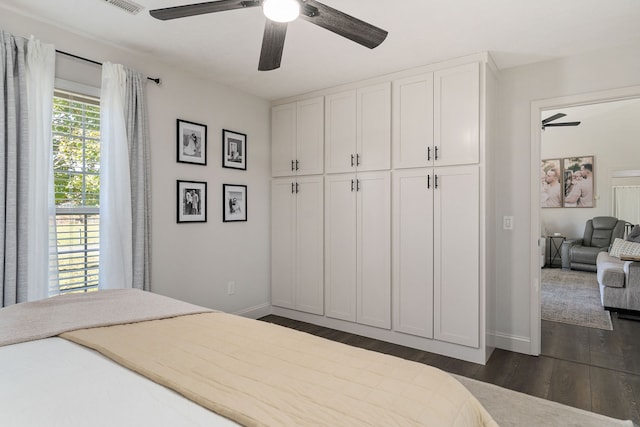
(562,124)
(342,24)
(272,45)
(201,8)
(552,118)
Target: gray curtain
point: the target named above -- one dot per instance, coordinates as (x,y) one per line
(139,162)
(13,169)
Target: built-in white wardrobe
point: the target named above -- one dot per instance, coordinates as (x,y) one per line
(382,230)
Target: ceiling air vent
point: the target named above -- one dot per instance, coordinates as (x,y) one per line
(126,5)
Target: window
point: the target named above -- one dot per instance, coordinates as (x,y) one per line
(76,168)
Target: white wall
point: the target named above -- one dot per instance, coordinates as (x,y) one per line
(608,131)
(191,262)
(596,71)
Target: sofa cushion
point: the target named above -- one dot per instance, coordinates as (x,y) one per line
(624,247)
(634,235)
(610,271)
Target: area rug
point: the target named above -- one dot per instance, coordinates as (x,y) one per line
(573,297)
(514,409)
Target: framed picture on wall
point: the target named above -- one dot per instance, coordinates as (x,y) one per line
(234,203)
(578,182)
(234,150)
(192,201)
(551,183)
(191,142)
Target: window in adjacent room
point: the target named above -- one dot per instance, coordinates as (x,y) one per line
(76,168)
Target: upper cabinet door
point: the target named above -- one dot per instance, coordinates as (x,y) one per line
(413,122)
(283,140)
(373,150)
(310,136)
(340,132)
(457,115)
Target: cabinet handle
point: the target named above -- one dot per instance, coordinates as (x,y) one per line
(297,190)
(297,168)
(428,182)
(292,187)
(357,185)
(292,165)
(436,156)
(352,184)
(435,181)
(352,160)
(357,159)
(429,153)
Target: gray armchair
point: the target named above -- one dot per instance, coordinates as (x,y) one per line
(599,234)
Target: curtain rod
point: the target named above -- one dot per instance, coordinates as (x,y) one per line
(156,80)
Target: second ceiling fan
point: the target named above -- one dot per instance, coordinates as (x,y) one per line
(279,13)
(547,122)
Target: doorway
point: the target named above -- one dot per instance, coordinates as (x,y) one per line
(546,108)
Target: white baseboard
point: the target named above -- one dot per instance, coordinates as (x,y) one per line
(511,342)
(255,312)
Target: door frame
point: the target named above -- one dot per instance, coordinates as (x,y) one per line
(537,107)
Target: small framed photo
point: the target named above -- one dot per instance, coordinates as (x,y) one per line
(234,202)
(192,142)
(192,201)
(234,150)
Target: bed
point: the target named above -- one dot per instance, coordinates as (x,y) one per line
(133,358)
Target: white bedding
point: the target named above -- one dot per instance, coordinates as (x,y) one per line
(54,382)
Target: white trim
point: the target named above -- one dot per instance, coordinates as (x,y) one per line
(513,343)
(255,312)
(625,174)
(536,111)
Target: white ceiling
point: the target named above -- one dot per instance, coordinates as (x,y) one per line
(226,45)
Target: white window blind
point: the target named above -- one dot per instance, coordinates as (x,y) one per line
(76,157)
(626,203)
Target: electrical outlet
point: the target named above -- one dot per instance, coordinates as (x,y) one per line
(507,222)
(231,288)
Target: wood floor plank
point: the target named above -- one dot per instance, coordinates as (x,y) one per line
(613,393)
(566,342)
(570,384)
(531,375)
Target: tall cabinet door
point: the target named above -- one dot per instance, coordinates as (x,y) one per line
(283,139)
(456,255)
(310,136)
(283,237)
(340,132)
(413,252)
(374,249)
(309,284)
(457,115)
(374,128)
(340,246)
(413,122)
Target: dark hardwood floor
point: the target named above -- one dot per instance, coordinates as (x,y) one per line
(583,367)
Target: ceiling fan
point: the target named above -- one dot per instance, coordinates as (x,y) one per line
(279,13)
(546,122)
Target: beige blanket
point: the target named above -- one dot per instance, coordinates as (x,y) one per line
(260,374)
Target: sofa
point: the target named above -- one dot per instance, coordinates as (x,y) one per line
(619,283)
(599,234)
(619,280)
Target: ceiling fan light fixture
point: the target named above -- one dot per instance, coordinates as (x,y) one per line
(281,10)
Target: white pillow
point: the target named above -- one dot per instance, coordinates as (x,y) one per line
(623,247)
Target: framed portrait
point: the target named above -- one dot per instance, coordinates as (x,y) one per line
(578,182)
(192,201)
(192,142)
(234,202)
(551,183)
(234,150)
